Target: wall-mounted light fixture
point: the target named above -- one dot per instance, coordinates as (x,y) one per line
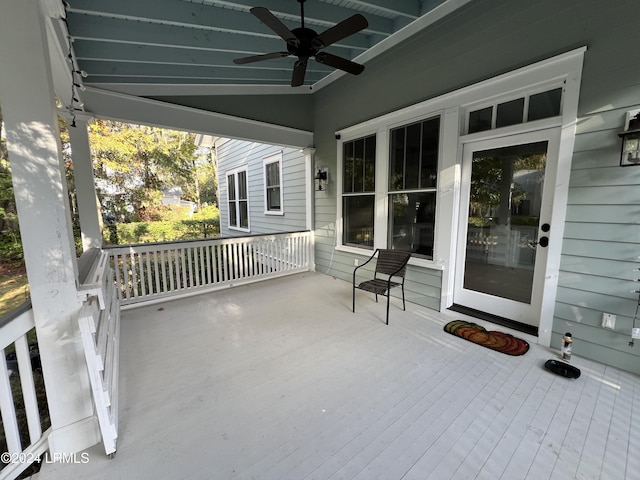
(321,176)
(630,140)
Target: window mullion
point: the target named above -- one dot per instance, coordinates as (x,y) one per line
(381,226)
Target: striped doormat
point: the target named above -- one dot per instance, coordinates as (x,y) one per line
(499,341)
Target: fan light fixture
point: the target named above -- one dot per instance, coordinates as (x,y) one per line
(305,43)
(630,154)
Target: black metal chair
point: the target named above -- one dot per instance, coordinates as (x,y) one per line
(390,263)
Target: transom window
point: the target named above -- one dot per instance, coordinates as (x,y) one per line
(527,108)
(358,187)
(413,175)
(273,195)
(238,199)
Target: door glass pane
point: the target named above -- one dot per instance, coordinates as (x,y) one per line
(504,212)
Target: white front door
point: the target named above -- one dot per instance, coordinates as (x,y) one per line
(505,221)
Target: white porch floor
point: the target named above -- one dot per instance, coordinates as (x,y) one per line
(279,380)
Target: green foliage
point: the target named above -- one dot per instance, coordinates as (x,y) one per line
(163,231)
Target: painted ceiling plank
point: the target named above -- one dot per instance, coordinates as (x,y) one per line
(178,71)
(184,14)
(107,51)
(97,28)
(406,8)
(318,13)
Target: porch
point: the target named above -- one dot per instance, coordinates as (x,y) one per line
(279,379)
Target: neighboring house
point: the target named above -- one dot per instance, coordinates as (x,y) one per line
(173,196)
(262,188)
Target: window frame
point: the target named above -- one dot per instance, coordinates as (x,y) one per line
(234,173)
(358,194)
(382,188)
(269,160)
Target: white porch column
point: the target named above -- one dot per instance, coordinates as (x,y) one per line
(27,101)
(88,204)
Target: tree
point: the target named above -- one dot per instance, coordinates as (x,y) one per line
(133,163)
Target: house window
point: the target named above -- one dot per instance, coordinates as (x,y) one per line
(238,199)
(273,198)
(527,108)
(358,191)
(413,175)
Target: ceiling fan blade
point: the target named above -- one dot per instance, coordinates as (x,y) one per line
(299,70)
(258,58)
(343,29)
(340,63)
(271,21)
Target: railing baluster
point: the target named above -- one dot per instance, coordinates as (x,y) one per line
(8,409)
(183,266)
(148,273)
(143,288)
(28,390)
(116,267)
(155,269)
(190,261)
(202,273)
(126,259)
(171,268)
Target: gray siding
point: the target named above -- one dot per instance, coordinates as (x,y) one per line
(285,110)
(235,153)
(487,38)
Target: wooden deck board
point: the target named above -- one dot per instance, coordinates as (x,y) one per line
(280,380)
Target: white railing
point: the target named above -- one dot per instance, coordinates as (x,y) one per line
(99,322)
(148,272)
(19,452)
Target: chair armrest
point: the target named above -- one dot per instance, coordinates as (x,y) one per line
(360,266)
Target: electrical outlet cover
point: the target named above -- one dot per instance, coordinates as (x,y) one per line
(608,321)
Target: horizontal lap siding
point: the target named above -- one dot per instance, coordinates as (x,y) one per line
(602,233)
(482,40)
(236,153)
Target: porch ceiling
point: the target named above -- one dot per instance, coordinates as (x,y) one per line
(175,45)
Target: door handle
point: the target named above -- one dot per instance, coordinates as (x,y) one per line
(543,242)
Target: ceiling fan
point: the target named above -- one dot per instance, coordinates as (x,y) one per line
(305,43)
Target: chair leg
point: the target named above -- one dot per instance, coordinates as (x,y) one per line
(387,307)
(376,298)
(403,305)
(354,298)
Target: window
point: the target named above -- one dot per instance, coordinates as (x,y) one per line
(358,187)
(238,199)
(528,108)
(413,174)
(273,184)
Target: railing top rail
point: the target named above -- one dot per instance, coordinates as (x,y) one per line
(15,313)
(199,240)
